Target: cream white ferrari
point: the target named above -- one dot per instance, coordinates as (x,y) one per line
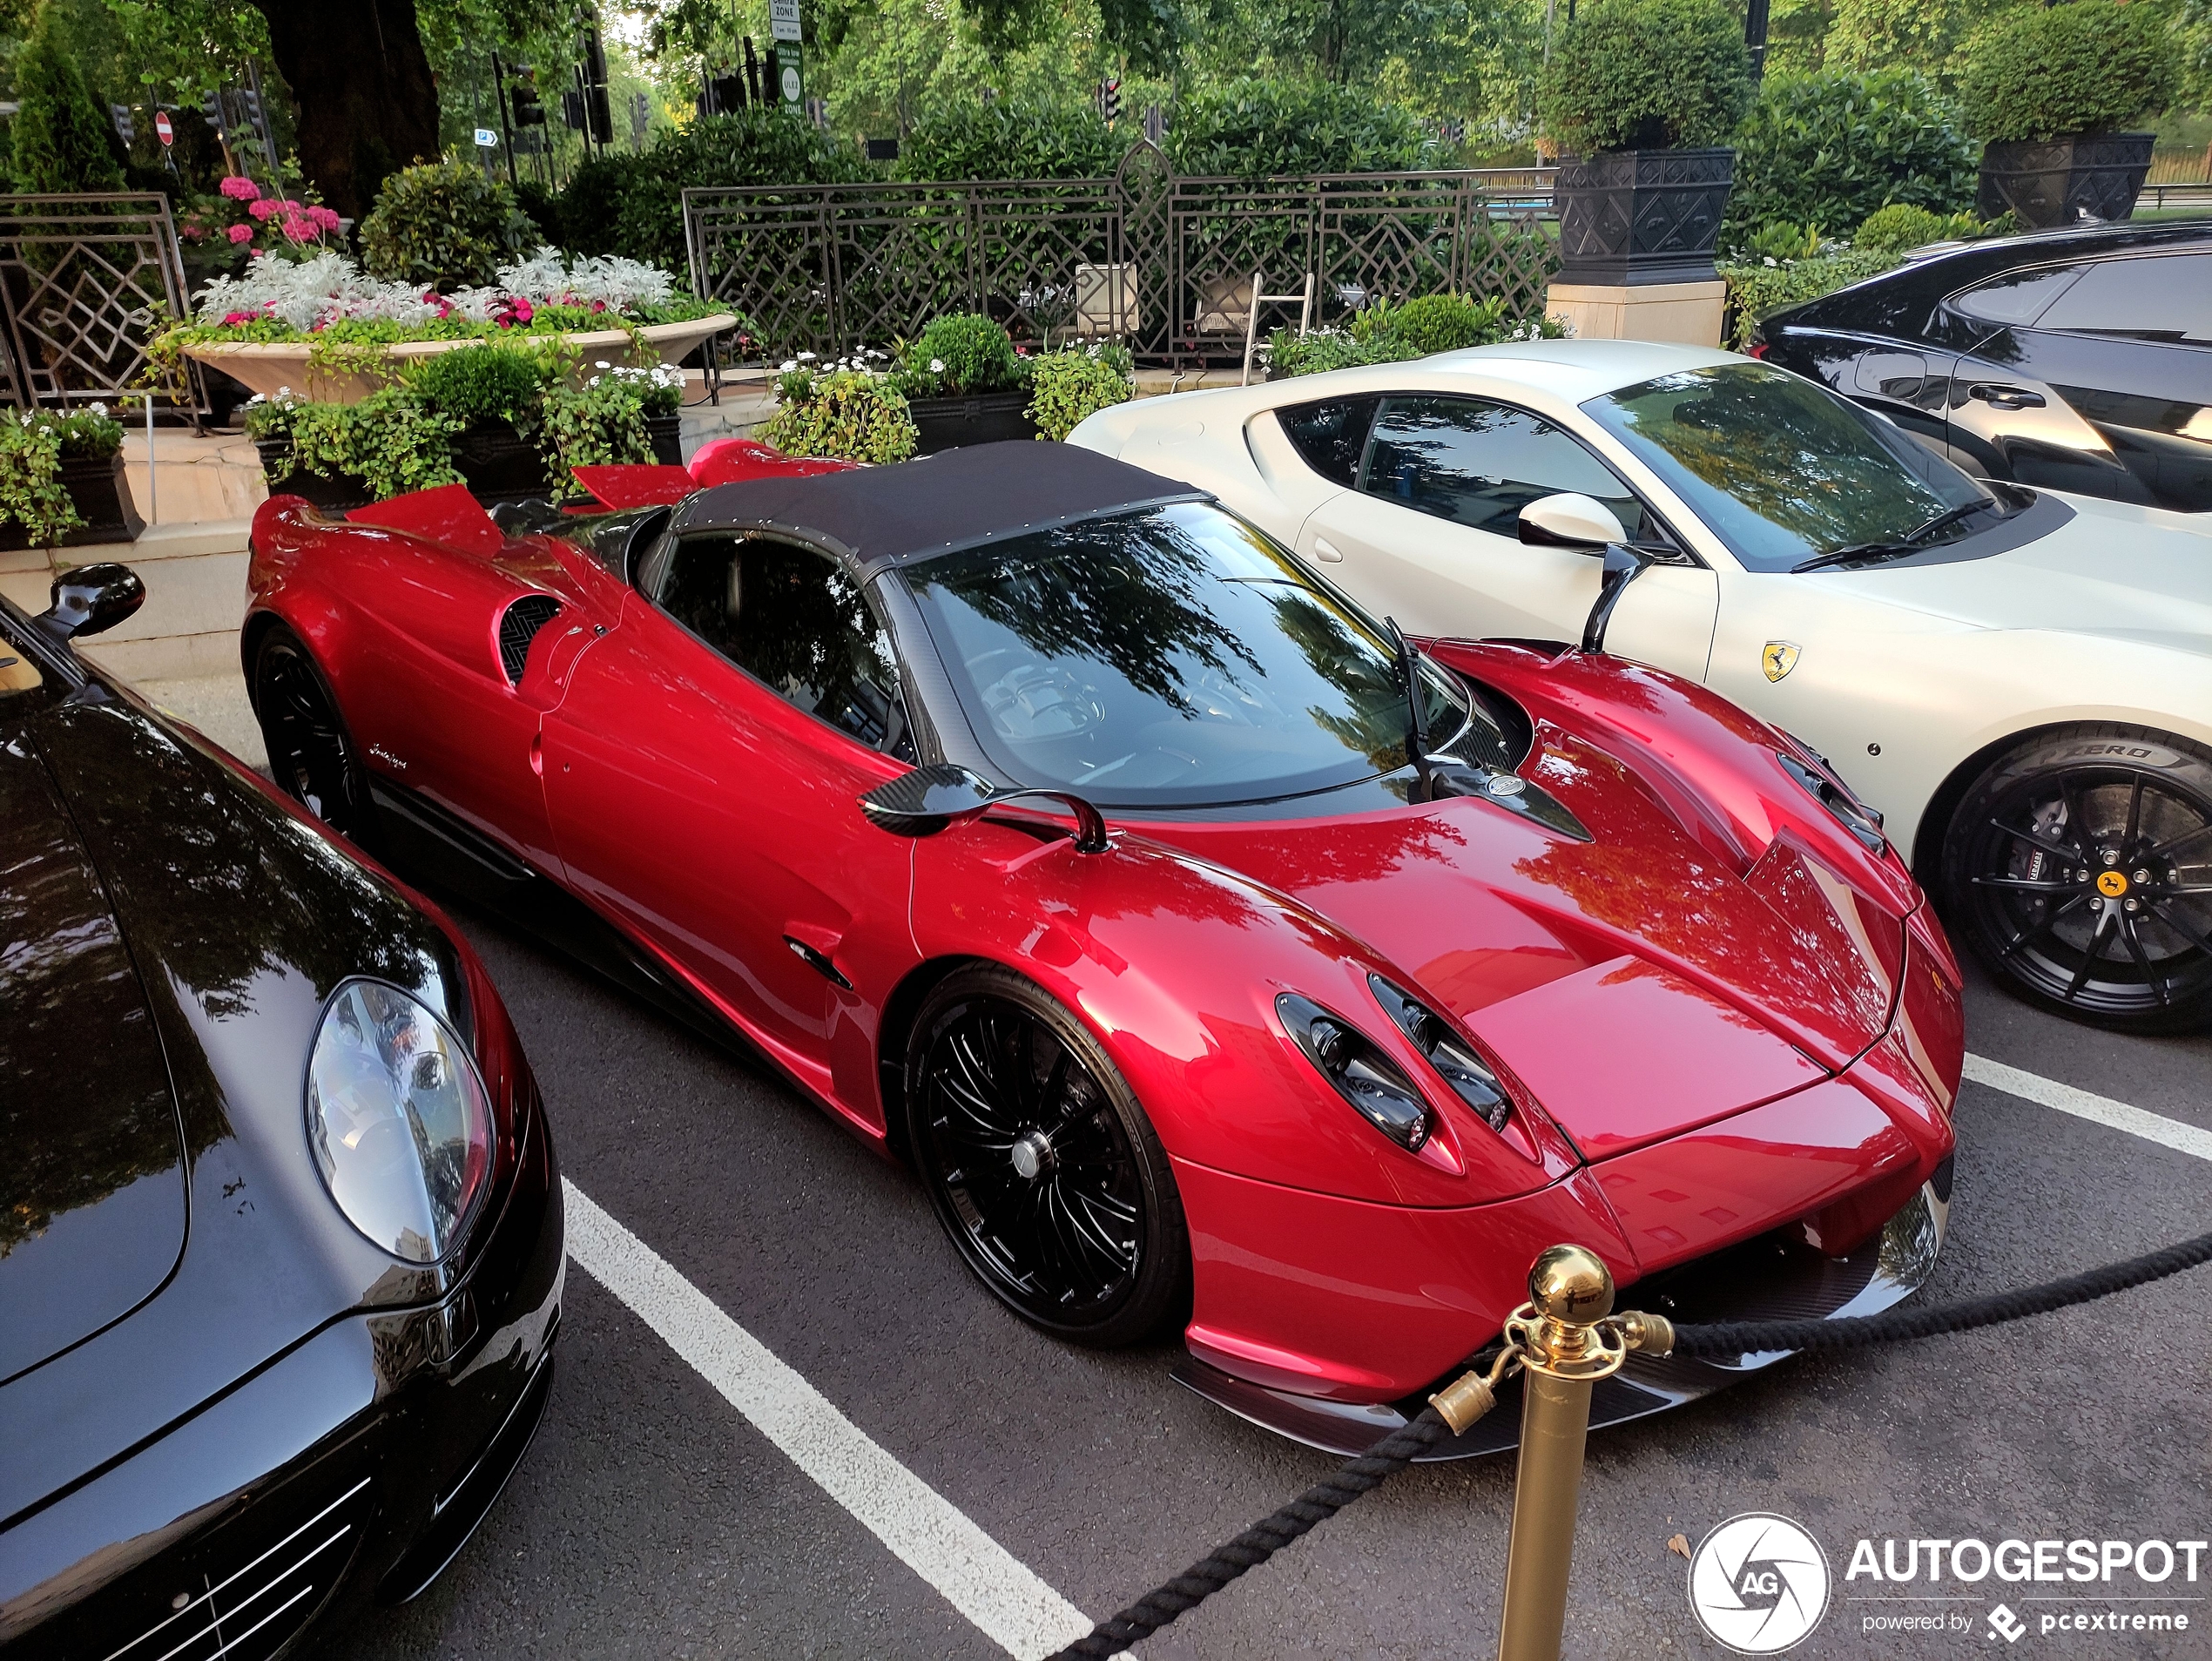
(2017,682)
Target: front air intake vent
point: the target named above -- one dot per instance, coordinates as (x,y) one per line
(519,627)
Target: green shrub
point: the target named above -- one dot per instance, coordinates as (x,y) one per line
(1383,333)
(632,205)
(445,226)
(849,414)
(474,383)
(390,441)
(31,492)
(1066,387)
(1250,128)
(961,354)
(604,421)
(1011,138)
(62,140)
(1647,75)
(2091,66)
(1829,148)
(1754,290)
(1901,226)
(1780,241)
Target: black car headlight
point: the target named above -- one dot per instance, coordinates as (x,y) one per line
(398,1120)
(1456,1061)
(1359,1071)
(1842,807)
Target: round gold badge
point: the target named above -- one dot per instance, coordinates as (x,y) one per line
(2111,884)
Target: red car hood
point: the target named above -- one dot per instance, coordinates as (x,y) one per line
(1638,984)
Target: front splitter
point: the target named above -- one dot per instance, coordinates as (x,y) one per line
(1776,1277)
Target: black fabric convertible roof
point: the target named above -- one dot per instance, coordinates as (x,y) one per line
(878,515)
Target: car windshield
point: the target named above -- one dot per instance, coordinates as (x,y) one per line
(1781,469)
(1167,658)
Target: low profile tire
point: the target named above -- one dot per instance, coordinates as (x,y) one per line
(2078,868)
(312,756)
(1042,1167)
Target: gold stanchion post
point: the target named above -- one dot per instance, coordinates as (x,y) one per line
(1564,1352)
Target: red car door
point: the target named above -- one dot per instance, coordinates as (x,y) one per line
(704,775)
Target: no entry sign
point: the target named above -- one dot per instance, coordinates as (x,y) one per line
(162,130)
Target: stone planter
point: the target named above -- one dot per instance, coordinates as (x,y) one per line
(947,423)
(95,483)
(1636,217)
(2061,181)
(269,367)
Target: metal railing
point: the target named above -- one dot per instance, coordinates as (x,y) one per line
(1161,261)
(2177,193)
(79,276)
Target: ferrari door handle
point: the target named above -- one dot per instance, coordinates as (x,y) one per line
(1999,397)
(1324,549)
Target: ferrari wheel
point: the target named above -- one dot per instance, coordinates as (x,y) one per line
(2081,868)
(311,755)
(1042,1167)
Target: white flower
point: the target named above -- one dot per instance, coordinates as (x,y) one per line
(99,409)
(936,366)
(805,357)
(603,364)
(788,364)
(284,392)
(1771,261)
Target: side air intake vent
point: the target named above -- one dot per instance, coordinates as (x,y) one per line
(519,627)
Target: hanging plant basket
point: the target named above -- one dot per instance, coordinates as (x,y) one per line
(96,484)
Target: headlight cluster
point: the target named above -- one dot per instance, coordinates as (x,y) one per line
(1846,809)
(1375,1085)
(399,1121)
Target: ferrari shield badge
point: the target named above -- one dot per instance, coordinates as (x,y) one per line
(1778,659)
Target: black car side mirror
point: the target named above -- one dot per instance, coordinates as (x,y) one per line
(92,599)
(925,801)
(1623,564)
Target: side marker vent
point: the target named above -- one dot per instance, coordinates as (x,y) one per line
(519,627)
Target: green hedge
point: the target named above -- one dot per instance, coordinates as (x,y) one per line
(2092,66)
(1754,290)
(1828,149)
(1647,75)
(1252,128)
(1011,138)
(444,224)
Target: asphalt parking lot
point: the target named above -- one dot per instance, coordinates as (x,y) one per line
(652,1519)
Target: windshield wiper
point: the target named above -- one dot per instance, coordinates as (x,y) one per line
(1408,667)
(1911,542)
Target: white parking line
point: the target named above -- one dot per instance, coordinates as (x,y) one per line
(2085,1104)
(1012,1606)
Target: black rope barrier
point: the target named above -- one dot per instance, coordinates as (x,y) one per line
(1260,1542)
(1732,1338)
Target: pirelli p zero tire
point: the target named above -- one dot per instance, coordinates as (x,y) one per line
(312,756)
(1042,1165)
(2078,868)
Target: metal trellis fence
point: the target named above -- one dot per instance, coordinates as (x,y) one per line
(79,276)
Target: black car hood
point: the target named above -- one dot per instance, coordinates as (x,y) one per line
(92,1202)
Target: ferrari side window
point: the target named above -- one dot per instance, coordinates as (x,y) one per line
(1328,436)
(795,621)
(1477,464)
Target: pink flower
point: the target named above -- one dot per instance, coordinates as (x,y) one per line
(294,207)
(297,230)
(261,211)
(239,233)
(523,310)
(232,320)
(325,217)
(239,189)
(598,305)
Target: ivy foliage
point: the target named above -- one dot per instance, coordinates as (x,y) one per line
(848,414)
(1647,75)
(1827,149)
(1066,388)
(446,226)
(2090,66)
(62,142)
(604,421)
(32,446)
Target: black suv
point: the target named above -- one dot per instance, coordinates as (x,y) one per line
(2077,359)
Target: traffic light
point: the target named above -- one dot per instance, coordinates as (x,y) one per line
(572,115)
(522,97)
(211,107)
(1109,101)
(125,128)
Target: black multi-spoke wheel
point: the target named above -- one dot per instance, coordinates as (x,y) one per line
(1043,1169)
(311,754)
(2081,868)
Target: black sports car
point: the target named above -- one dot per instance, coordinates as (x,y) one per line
(2077,359)
(280,1233)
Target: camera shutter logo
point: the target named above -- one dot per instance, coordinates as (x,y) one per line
(1758,1583)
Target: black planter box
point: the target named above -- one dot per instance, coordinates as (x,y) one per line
(1641,216)
(2060,181)
(497,462)
(95,483)
(947,423)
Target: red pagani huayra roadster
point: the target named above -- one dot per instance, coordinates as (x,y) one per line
(1213,953)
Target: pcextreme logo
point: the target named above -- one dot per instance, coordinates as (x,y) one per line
(1758,1583)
